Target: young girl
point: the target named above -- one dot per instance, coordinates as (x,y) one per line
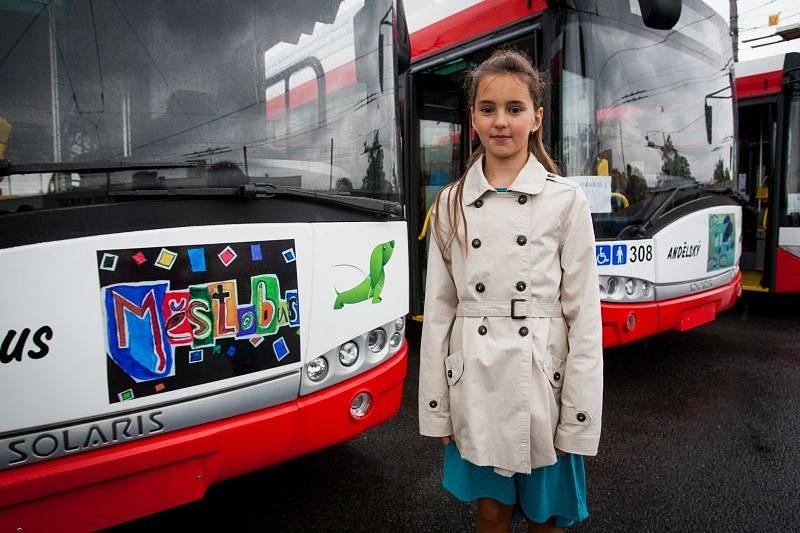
(511,369)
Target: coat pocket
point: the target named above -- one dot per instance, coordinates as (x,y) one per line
(557,340)
(555,374)
(454,367)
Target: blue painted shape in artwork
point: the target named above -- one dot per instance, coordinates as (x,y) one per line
(293,303)
(255,252)
(231,351)
(196,356)
(288,255)
(619,254)
(197,258)
(280,348)
(247,321)
(603,254)
(139,344)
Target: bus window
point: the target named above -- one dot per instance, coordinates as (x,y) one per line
(791,157)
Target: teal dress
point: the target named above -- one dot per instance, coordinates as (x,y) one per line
(558,490)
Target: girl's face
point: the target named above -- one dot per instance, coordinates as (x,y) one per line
(504,115)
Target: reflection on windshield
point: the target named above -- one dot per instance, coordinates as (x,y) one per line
(644,116)
(295,93)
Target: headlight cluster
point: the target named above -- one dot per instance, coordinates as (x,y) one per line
(625,289)
(349,354)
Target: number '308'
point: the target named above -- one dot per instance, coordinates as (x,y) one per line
(641,253)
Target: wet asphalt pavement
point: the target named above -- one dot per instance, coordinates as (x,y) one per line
(701,432)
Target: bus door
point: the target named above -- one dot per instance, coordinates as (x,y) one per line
(769,166)
(442,136)
(757,140)
(438,124)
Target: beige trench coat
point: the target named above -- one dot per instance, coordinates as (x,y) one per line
(511,388)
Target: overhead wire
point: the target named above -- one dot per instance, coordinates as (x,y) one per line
(23,33)
(157,67)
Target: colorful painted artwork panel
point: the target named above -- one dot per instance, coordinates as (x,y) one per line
(182,321)
(721,241)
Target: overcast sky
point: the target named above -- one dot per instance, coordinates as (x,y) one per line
(753,20)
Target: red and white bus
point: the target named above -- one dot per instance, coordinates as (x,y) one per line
(186,295)
(641,118)
(768,105)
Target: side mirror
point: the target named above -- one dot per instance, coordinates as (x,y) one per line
(660,14)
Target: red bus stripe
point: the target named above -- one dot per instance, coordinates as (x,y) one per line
(763,84)
(471,22)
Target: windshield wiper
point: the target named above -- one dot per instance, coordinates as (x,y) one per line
(373,205)
(260,190)
(7,168)
(639,229)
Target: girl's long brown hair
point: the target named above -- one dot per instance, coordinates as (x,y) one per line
(504,61)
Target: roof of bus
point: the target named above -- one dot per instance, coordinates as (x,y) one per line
(759,66)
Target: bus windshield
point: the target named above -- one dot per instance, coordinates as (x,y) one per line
(646,122)
(175,94)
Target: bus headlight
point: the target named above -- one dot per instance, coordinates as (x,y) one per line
(317,369)
(630,287)
(399,324)
(348,353)
(376,340)
(611,286)
(395,340)
(645,288)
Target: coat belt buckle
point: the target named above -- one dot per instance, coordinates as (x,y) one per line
(514,315)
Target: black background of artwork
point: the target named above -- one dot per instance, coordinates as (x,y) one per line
(215,366)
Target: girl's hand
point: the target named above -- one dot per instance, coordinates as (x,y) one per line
(446,440)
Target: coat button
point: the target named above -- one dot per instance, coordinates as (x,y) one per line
(482,330)
(478,203)
(522,199)
(449,373)
(521,240)
(521,286)
(479,287)
(581,417)
(433,404)
(557,376)
(523,331)
(476,243)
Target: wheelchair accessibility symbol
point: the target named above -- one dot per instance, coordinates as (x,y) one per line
(603,254)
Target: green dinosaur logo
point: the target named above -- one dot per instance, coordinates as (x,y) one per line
(372,284)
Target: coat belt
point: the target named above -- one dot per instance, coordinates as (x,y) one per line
(521,309)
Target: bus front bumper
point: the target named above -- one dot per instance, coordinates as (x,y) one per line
(626,323)
(101,488)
